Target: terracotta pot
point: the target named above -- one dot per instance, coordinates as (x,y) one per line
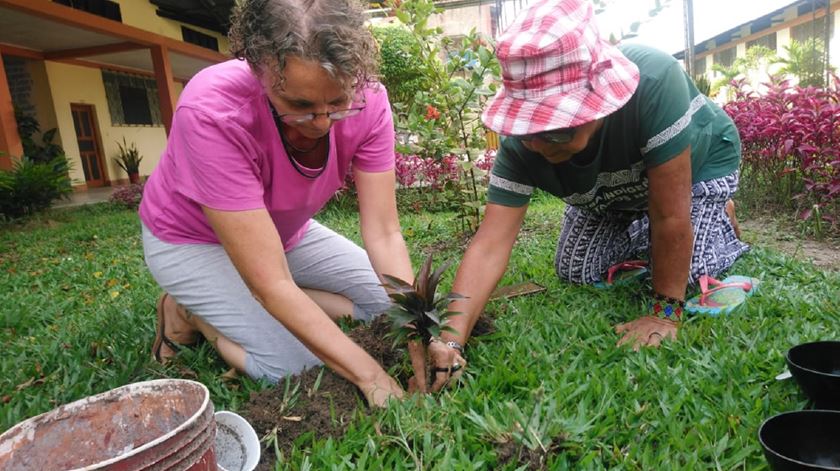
(134,177)
(161,424)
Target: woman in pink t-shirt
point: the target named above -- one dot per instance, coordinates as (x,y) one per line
(257,147)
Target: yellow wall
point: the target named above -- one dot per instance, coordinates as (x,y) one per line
(41,98)
(143,15)
(83,85)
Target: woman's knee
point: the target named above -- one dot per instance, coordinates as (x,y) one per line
(273,368)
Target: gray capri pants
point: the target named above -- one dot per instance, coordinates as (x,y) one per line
(202,278)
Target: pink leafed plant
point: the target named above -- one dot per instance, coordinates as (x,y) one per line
(792,134)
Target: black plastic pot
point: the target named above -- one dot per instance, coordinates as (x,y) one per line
(816,368)
(802,440)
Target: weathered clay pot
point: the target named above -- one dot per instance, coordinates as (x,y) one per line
(161,424)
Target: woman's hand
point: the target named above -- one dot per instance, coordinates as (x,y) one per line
(380,389)
(447,364)
(646,331)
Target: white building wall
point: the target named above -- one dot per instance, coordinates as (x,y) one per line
(835,42)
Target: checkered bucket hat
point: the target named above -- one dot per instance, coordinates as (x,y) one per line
(557,71)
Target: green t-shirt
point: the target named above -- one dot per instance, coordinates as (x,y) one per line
(664,116)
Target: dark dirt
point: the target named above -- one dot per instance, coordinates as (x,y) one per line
(326,411)
(511,452)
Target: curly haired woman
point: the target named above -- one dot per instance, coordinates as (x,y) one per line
(258,145)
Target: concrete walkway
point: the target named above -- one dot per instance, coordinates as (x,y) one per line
(91,196)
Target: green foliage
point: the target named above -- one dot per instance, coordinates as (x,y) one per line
(129,157)
(419,312)
(703,85)
(755,58)
(28,127)
(39,177)
(400,73)
(32,186)
(444,118)
(806,61)
(77,318)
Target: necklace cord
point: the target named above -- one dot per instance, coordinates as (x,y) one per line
(289,147)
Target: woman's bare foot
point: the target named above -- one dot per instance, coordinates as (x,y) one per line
(730,211)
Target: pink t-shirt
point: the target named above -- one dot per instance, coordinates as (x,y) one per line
(224,152)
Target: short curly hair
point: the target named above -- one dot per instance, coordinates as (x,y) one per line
(331,32)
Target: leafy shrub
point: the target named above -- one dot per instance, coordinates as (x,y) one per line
(32,186)
(42,152)
(400,72)
(806,61)
(791,146)
(703,85)
(443,118)
(431,178)
(127,196)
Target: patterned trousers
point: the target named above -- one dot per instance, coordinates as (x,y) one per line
(591,243)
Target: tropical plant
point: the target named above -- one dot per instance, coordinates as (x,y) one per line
(806,61)
(38,152)
(756,58)
(129,159)
(419,312)
(32,186)
(443,119)
(399,71)
(791,148)
(703,85)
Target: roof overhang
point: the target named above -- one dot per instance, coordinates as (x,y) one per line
(41,29)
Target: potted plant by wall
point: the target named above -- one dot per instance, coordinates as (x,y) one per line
(129,159)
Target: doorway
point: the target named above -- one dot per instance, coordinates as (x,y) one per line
(87,135)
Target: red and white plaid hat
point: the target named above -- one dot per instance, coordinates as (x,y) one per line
(557,71)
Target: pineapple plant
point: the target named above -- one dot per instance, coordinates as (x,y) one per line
(419,312)
(418,316)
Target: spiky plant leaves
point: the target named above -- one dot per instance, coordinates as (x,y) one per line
(418,311)
(421,282)
(435,278)
(397,284)
(434,317)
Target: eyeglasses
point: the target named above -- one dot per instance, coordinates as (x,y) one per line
(555,136)
(298,118)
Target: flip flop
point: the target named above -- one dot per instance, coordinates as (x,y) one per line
(624,273)
(160,337)
(723,297)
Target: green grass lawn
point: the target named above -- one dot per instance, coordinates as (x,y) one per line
(77,318)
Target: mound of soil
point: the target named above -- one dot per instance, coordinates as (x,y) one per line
(326,408)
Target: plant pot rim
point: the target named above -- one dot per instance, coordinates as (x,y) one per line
(768,449)
(811,370)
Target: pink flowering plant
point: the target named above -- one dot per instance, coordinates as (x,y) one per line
(791,147)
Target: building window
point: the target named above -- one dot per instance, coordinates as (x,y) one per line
(810,29)
(199,39)
(132,99)
(768,41)
(725,57)
(103,8)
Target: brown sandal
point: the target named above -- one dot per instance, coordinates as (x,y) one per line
(160,336)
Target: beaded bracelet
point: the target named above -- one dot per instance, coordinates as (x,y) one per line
(666,307)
